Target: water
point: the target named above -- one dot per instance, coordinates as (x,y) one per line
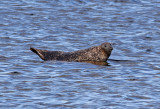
(131,81)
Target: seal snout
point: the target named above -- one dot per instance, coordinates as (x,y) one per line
(111,47)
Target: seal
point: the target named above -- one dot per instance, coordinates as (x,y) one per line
(96,53)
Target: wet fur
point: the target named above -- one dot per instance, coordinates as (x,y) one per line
(96,53)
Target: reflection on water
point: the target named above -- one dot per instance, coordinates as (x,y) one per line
(97,63)
(129,79)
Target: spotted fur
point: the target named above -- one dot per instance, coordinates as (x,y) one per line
(96,53)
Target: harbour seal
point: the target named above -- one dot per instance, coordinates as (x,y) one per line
(96,53)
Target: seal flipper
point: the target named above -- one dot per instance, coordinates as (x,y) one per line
(40,53)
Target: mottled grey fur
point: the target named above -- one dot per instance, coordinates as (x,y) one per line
(96,53)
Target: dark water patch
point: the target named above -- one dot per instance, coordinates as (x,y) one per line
(3,58)
(128,1)
(133,79)
(23,88)
(14,73)
(42,77)
(139,97)
(116,61)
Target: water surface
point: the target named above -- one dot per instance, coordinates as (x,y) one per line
(130,81)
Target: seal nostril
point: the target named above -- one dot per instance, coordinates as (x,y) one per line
(111,48)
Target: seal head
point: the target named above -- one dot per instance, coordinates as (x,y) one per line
(107,47)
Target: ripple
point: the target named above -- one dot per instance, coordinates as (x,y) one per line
(130,78)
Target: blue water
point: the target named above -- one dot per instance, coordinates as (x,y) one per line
(131,81)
